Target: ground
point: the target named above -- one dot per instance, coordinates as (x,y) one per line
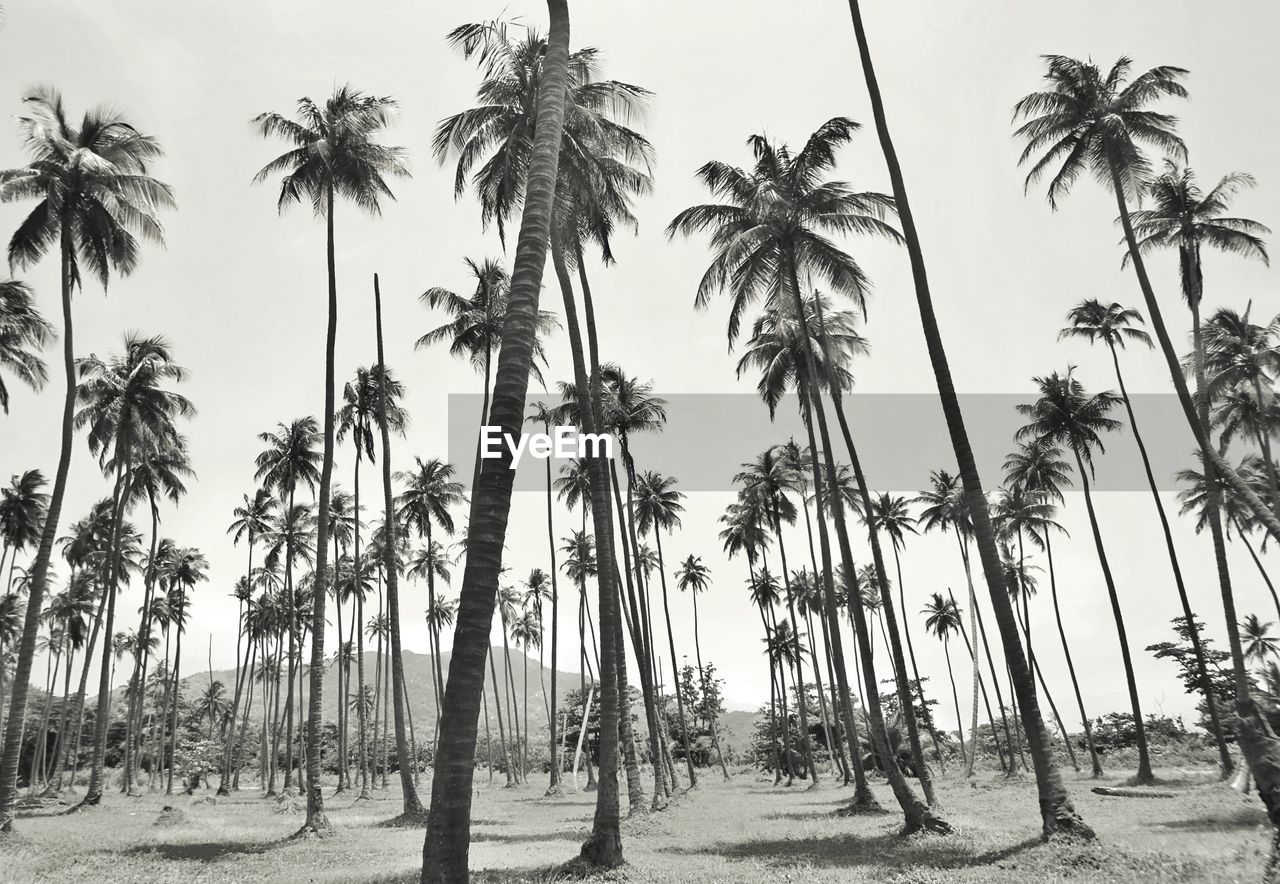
(742,831)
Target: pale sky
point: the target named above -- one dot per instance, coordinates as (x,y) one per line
(239,291)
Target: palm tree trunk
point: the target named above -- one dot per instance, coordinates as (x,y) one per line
(553,787)
(886,602)
(1071,668)
(671,646)
(173,737)
(413,808)
(911,653)
(1006,766)
(1266,578)
(1145,774)
(502,731)
(1056,808)
(1224,755)
(448,832)
(12,751)
(955,698)
(97,772)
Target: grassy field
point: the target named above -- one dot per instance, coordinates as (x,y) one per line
(745,831)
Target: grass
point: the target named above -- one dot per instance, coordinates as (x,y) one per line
(743,831)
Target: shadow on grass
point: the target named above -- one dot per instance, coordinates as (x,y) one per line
(1243,818)
(538,875)
(576,836)
(203,851)
(840,851)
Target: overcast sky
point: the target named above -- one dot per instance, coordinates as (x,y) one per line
(239,291)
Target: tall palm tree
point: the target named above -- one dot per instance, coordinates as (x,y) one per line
(942,618)
(189,568)
(694,578)
(251,521)
(23,334)
(541,414)
(334,154)
(1036,468)
(1086,120)
(1259,644)
(1066,415)
(289,460)
(95,197)
(771,231)
(448,832)
(125,409)
(658,509)
(475,329)
(390,416)
(1056,808)
(1115,326)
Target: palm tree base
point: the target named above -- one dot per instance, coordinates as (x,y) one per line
(410,819)
(600,851)
(316,827)
(861,804)
(554,792)
(931,823)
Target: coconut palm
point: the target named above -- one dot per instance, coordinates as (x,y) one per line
(1086,120)
(447,837)
(95,198)
(23,504)
(126,410)
(23,334)
(1066,415)
(658,509)
(771,231)
(1259,644)
(541,414)
(1055,803)
(942,619)
(289,460)
(1115,326)
(333,154)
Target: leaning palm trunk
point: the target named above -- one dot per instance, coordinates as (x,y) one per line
(902,681)
(556,761)
(445,846)
(1071,668)
(1211,704)
(93,795)
(1056,809)
(12,749)
(413,808)
(1260,747)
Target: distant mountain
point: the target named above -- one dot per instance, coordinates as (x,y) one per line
(422,700)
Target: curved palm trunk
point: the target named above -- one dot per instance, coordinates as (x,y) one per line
(1006,766)
(1071,668)
(412,806)
(1224,755)
(1257,740)
(955,698)
(1266,578)
(240,681)
(12,751)
(911,654)
(1056,808)
(806,749)
(886,603)
(97,772)
(556,762)
(1144,759)
(671,646)
(445,846)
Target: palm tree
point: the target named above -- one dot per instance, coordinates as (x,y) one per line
(390,416)
(1056,808)
(333,154)
(1036,467)
(1114,326)
(188,569)
(448,832)
(1087,120)
(23,333)
(1239,357)
(540,413)
(1259,645)
(475,330)
(23,504)
(771,231)
(125,409)
(1068,416)
(252,521)
(658,509)
(95,197)
(288,460)
(694,578)
(943,620)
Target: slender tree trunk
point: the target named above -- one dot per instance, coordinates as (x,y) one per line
(1224,755)
(412,807)
(12,751)
(1071,668)
(553,787)
(1056,808)
(1145,774)
(955,698)
(445,847)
